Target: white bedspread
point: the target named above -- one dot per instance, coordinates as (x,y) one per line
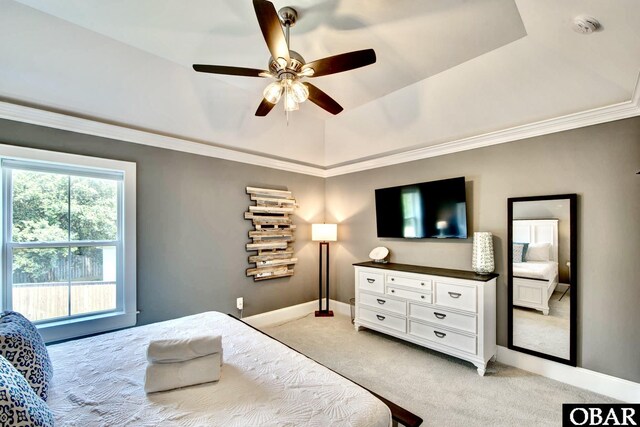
(98,381)
(545,270)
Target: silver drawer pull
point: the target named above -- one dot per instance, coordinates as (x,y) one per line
(380,317)
(381,301)
(440,334)
(455,294)
(439,315)
(371,280)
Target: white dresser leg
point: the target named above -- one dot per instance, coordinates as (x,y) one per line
(357,327)
(482,368)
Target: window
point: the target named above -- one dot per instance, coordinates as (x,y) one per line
(412,212)
(67,243)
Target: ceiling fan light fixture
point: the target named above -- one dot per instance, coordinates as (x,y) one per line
(273,92)
(282,63)
(287,66)
(299,91)
(306,72)
(290,103)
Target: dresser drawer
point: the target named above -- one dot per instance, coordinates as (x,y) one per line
(443,336)
(438,316)
(384,303)
(414,282)
(410,295)
(371,281)
(456,296)
(383,319)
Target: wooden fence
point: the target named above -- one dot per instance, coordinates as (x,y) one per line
(40,301)
(85,267)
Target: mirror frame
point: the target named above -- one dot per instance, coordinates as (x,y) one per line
(573,258)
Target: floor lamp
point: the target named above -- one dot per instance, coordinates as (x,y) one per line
(324,233)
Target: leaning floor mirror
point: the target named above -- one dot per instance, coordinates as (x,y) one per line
(542,277)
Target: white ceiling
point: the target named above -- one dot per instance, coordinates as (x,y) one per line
(446,69)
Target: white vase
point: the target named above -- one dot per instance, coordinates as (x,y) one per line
(482,258)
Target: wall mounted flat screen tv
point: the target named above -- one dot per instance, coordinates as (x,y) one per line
(435,209)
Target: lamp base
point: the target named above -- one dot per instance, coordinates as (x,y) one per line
(324,313)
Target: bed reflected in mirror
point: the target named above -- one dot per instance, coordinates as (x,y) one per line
(542,279)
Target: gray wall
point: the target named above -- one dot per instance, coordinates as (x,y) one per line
(191,231)
(190,226)
(599,163)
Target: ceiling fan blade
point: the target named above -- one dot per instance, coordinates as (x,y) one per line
(231,71)
(272,29)
(264,108)
(343,62)
(322,100)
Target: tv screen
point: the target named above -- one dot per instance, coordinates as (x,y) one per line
(436,209)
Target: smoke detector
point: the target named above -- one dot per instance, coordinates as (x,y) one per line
(585,24)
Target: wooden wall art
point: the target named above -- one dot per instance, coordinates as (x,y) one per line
(273,235)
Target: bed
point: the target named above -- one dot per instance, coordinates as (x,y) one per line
(541,270)
(98,381)
(535,281)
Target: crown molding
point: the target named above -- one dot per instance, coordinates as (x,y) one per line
(60,121)
(591,117)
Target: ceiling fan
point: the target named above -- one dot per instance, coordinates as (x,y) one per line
(288,67)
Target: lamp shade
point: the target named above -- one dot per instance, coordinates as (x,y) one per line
(324,232)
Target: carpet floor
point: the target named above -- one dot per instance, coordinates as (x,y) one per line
(444,391)
(546,334)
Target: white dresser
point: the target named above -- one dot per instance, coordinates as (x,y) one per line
(451,311)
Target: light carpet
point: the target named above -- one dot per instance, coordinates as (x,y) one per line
(545,334)
(444,391)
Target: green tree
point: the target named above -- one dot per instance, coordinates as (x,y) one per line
(49,207)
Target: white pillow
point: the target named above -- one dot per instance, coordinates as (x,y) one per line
(538,252)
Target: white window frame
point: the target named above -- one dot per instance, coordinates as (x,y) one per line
(125,314)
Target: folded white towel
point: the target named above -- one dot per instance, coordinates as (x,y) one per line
(167,376)
(182,349)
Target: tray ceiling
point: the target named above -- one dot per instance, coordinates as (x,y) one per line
(447,69)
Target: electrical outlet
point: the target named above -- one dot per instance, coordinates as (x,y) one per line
(240,303)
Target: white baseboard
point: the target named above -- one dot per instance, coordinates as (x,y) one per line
(271,318)
(610,386)
(282,315)
(340,308)
(617,388)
